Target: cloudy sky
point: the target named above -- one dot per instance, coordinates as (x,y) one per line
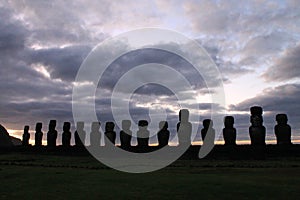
(255,44)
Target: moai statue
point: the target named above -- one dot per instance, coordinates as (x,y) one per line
(110,134)
(52,134)
(38,134)
(95,135)
(66,135)
(229,132)
(208,132)
(26,136)
(257,131)
(164,134)
(126,134)
(283,130)
(80,134)
(143,134)
(184,128)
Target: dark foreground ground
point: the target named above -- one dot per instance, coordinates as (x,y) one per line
(61,174)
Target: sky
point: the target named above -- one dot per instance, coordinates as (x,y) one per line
(255,45)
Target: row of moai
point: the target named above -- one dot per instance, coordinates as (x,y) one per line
(143,134)
(51,134)
(184,130)
(257,130)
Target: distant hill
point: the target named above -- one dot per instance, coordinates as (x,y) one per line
(5,139)
(16,141)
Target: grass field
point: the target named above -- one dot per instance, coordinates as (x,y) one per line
(27,176)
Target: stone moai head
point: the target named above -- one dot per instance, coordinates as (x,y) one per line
(184,115)
(80,125)
(207,123)
(26,129)
(126,124)
(52,124)
(256,110)
(143,124)
(96,126)
(67,127)
(256,116)
(228,122)
(38,127)
(109,126)
(163,125)
(281,119)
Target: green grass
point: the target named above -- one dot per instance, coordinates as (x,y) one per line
(61,177)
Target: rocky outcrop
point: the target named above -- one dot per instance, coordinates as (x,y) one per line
(5,139)
(16,141)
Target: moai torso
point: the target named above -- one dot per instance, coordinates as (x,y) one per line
(110,134)
(52,134)
(26,136)
(95,135)
(80,134)
(126,133)
(164,134)
(143,134)
(229,132)
(257,130)
(208,131)
(38,134)
(184,128)
(283,130)
(66,135)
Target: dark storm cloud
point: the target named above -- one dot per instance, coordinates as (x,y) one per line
(12,35)
(61,63)
(282,98)
(12,40)
(286,67)
(208,106)
(18,114)
(154,89)
(30,107)
(27,95)
(150,55)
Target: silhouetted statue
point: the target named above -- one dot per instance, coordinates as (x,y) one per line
(164,134)
(26,136)
(52,134)
(208,130)
(66,135)
(257,130)
(126,134)
(143,134)
(80,133)
(184,128)
(229,132)
(95,136)
(110,134)
(38,134)
(283,130)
